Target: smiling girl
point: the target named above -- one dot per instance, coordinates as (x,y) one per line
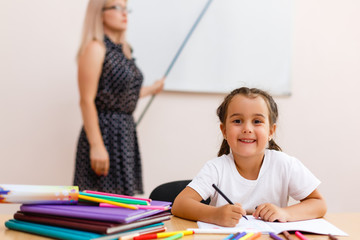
(251,170)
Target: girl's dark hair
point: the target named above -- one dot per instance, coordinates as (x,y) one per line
(251,93)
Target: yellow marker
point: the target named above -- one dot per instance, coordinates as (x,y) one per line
(176,236)
(99,200)
(246,236)
(255,236)
(169,234)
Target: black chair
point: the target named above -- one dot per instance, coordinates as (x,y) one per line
(169,191)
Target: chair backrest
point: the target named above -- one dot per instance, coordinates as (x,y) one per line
(168,191)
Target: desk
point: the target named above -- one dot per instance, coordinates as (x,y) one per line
(348,222)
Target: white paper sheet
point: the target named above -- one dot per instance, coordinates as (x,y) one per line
(318,226)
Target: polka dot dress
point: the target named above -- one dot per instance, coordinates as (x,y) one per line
(117,95)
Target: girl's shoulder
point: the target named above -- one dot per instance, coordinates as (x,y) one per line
(279,158)
(221,162)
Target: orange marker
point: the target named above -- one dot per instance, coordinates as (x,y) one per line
(255,236)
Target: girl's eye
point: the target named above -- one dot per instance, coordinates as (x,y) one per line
(257,121)
(237,121)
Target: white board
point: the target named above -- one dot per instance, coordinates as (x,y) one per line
(236,43)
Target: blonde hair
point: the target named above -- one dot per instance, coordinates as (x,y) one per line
(93,24)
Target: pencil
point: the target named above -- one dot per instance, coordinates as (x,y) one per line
(225,197)
(99,200)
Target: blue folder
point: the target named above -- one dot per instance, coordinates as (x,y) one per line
(50,231)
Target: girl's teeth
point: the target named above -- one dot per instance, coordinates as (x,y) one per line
(248,141)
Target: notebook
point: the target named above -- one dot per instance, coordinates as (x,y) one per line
(119,215)
(50,231)
(100,227)
(317,226)
(68,234)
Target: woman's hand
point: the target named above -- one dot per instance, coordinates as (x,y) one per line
(153,89)
(271,213)
(229,215)
(158,86)
(99,160)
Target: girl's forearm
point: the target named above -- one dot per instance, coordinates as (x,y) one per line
(193,210)
(306,209)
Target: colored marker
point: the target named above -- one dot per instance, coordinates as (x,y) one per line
(331,237)
(274,236)
(99,200)
(238,235)
(131,236)
(116,199)
(299,235)
(247,236)
(225,197)
(117,195)
(138,206)
(228,237)
(255,236)
(162,235)
(176,236)
(287,235)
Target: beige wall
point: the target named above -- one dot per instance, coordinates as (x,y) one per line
(40,116)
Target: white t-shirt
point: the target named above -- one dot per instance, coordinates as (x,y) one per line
(280,176)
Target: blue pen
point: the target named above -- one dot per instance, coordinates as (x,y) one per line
(4,192)
(234,236)
(239,236)
(228,237)
(274,236)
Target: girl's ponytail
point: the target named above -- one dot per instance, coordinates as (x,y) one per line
(224,149)
(274,146)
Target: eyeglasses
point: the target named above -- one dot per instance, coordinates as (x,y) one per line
(117,8)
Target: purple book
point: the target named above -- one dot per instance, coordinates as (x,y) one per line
(120,215)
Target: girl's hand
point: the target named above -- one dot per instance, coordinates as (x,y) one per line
(229,215)
(99,160)
(271,213)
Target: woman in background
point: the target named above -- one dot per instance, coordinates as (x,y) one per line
(110,85)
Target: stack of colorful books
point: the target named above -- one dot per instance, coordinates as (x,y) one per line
(65,213)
